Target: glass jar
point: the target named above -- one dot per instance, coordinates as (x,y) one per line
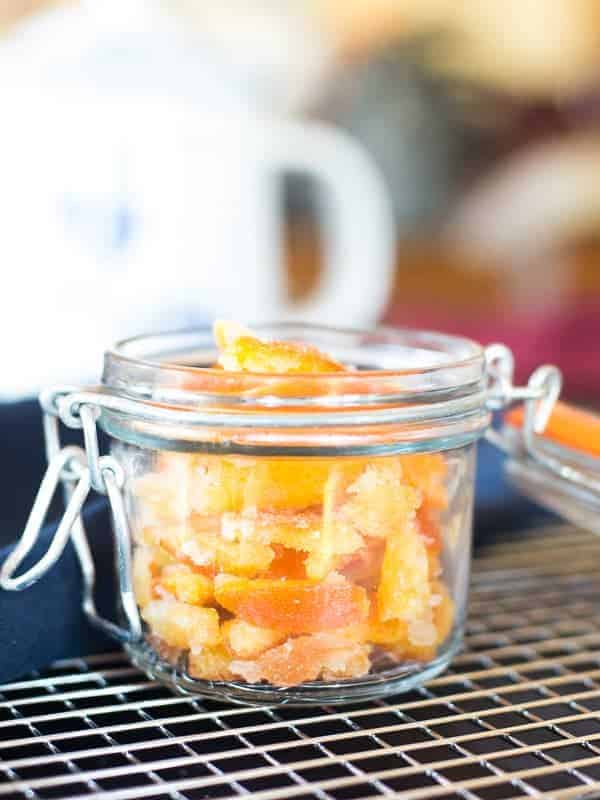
(286,538)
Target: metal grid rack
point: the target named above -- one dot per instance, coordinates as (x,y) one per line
(518,715)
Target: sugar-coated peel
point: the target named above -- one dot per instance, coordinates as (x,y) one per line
(290,569)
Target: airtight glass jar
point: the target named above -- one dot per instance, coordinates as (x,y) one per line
(295,538)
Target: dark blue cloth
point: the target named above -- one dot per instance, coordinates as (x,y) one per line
(498,507)
(45,621)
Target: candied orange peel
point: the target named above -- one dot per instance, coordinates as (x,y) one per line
(290,569)
(293,606)
(241,351)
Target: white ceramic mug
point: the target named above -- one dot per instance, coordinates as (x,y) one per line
(118,218)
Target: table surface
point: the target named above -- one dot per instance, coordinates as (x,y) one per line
(518,714)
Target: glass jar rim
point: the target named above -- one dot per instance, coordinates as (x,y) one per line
(395,365)
(410,390)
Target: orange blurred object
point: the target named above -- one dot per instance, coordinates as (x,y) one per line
(527,48)
(567,425)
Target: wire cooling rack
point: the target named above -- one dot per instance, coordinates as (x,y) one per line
(518,715)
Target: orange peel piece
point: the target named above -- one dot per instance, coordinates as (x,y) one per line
(420,639)
(185,484)
(443,610)
(287,563)
(287,484)
(185,585)
(364,566)
(198,543)
(293,606)
(143,571)
(217,484)
(380,501)
(305,659)
(293,484)
(210,664)
(248,641)
(181,625)
(430,527)
(427,472)
(337,536)
(241,351)
(206,546)
(404,590)
(161,496)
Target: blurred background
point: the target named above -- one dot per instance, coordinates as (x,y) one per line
(423,162)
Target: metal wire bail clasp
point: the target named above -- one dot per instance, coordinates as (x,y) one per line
(539,397)
(548,381)
(79,470)
(62,460)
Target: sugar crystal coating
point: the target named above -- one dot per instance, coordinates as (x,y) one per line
(290,569)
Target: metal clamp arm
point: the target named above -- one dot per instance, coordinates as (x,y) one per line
(37,518)
(79,470)
(539,396)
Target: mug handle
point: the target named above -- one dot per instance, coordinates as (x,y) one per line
(357,224)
